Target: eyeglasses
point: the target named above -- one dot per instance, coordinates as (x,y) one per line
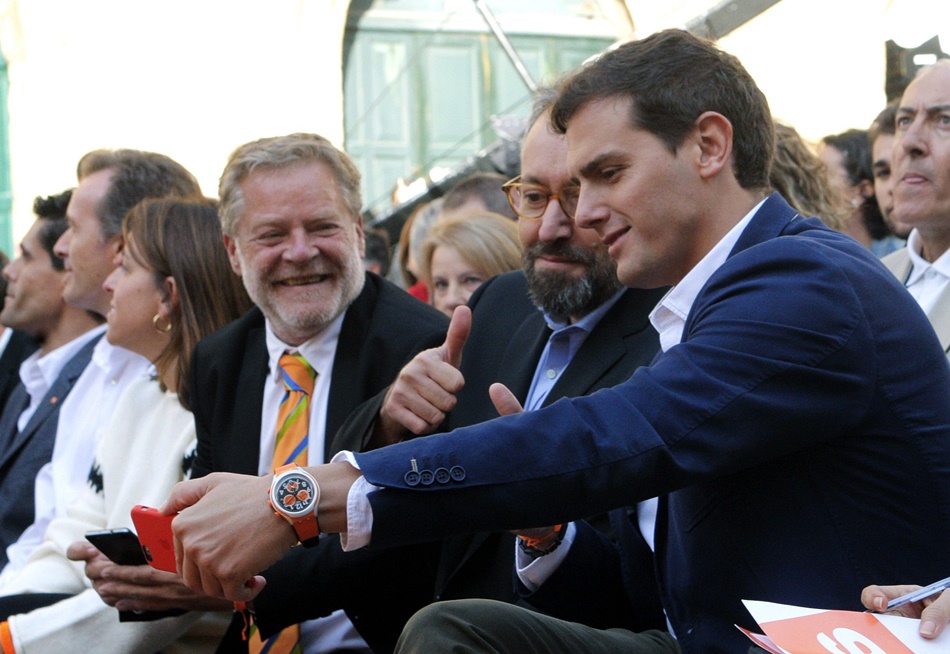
(531,200)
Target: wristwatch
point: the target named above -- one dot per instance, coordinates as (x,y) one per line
(294,495)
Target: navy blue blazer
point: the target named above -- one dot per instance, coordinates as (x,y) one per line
(20,346)
(31,448)
(799,435)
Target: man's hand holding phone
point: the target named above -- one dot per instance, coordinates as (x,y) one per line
(155,535)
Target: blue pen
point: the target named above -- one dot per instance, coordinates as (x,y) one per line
(918,595)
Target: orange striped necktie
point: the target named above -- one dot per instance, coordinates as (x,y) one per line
(293,426)
(293,418)
(285,641)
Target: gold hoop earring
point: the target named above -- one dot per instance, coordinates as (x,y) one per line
(161,330)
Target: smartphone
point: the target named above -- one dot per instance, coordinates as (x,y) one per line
(120,545)
(155,534)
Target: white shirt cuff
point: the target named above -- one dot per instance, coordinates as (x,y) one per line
(534,572)
(359,512)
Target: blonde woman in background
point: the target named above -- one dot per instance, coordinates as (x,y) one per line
(461,253)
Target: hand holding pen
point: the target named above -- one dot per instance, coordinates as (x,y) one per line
(930,604)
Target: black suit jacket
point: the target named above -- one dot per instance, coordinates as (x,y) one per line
(383,329)
(19,347)
(31,448)
(507,338)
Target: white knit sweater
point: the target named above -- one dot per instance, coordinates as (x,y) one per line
(147,449)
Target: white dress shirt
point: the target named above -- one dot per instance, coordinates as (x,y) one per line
(39,371)
(926,280)
(334,631)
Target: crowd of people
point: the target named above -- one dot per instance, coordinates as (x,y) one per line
(660,371)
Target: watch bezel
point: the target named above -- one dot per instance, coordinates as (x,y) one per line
(276,493)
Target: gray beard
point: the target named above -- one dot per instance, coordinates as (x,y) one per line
(560,294)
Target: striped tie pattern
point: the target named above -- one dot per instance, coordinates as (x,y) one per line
(293,422)
(293,418)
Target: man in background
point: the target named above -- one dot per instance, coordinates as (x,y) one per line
(66,336)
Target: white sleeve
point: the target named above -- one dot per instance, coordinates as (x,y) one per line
(359,512)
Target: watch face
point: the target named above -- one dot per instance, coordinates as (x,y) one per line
(294,495)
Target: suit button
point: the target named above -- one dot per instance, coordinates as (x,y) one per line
(412,478)
(457,473)
(442,476)
(426,477)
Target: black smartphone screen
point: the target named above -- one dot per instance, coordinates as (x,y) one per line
(120,545)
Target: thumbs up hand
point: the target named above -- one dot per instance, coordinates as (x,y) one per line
(424,391)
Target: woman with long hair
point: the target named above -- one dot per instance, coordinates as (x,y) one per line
(173,285)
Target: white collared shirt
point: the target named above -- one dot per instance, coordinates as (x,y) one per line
(334,631)
(926,280)
(39,371)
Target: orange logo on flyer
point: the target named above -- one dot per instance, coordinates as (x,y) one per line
(834,632)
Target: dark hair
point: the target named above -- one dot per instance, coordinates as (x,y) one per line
(136,176)
(52,210)
(543,99)
(884,123)
(486,187)
(855,149)
(377,249)
(671,78)
(181,238)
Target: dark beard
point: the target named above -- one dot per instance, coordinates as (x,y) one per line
(560,294)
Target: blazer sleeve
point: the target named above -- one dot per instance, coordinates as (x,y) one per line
(748,365)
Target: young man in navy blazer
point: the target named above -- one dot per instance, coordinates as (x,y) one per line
(796,421)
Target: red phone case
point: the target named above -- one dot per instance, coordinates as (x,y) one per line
(155,535)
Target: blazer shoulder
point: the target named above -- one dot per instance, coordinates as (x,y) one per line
(393,301)
(898,262)
(234,334)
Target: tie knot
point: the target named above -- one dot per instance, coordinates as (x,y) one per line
(298,375)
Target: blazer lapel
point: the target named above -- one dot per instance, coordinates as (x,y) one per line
(247,419)
(49,405)
(17,402)
(523,353)
(347,368)
(599,352)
